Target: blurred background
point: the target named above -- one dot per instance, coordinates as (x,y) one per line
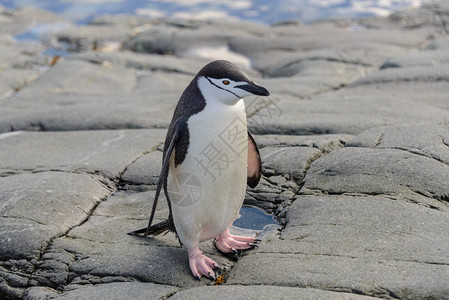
(262,11)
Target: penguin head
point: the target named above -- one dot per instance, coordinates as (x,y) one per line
(223,81)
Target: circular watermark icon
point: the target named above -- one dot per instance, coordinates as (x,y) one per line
(184,190)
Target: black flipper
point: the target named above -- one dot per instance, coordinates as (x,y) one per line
(164,174)
(175,139)
(254,163)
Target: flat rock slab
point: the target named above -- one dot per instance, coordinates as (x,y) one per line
(145,170)
(51,203)
(402,167)
(100,248)
(433,141)
(378,247)
(107,152)
(21,62)
(345,115)
(114,290)
(262,292)
(78,95)
(324,142)
(378,99)
(140,61)
(290,160)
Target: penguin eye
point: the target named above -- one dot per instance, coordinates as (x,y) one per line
(226,82)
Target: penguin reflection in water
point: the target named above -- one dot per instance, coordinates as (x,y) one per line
(209,157)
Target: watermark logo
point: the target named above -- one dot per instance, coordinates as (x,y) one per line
(235,136)
(213,160)
(261,109)
(184,190)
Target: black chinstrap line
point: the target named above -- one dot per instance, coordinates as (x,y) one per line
(223,88)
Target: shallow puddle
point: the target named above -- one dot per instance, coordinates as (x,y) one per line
(254,218)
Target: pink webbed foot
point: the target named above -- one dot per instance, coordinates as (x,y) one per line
(227,242)
(201,265)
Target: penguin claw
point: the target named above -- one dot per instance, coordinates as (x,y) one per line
(200,264)
(228,243)
(212,276)
(216,266)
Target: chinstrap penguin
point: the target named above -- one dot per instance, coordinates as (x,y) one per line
(209,157)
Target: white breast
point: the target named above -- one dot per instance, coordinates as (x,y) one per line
(208,188)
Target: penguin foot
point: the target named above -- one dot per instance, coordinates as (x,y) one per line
(201,265)
(227,242)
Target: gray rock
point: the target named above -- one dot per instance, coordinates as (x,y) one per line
(92,37)
(433,141)
(345,114)
(145,170)
(440,43)
(120,290)
(388,160)
(394,172)
(427,94)
(421,58)
(413,73)
(324,142)
(271,193)
(105,152)
(37,293)
(292,160)
(21,64)
(101,248)
(139,61)
(24,18)
(379,247)
(430,14)
(309,78)
(35,208)
(170,38)
(283,62)
(262,292)
(65,98)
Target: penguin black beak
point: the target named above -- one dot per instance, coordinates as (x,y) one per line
(254,89)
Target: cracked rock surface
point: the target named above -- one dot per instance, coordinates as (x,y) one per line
(354,141)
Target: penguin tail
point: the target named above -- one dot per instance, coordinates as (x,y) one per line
(153,230)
